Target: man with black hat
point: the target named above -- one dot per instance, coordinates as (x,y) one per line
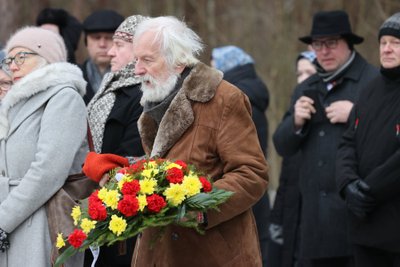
(313,125)
(368,168)
(99,28)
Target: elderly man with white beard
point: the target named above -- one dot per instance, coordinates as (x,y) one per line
(190,113)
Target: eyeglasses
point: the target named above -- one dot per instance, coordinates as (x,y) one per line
(330,43)
(19,59)
(5,85)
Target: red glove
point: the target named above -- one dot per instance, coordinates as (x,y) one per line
(96,165)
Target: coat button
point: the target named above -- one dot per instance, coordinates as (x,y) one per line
(322,133)
(3,172)
(323,194)
(174,236)
(320,163)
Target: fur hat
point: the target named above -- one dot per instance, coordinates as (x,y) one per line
(127,29)
(391,27)
(69,26)
(331,23)
(45,43)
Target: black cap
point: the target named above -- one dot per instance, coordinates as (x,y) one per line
(331,23)
(102,21)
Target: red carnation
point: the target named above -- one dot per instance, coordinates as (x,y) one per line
(155,203)
(94,197)
(76,238)
(97,211)
(207,187)
(137,167)
(129,205)
(131,188)
(182,164)
(175,175)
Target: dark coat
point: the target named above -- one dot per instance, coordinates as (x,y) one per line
(121,137)
(245,78)
(286,213)
(209,125)
(371,151)
(324,221)
(121,124)
(89,90)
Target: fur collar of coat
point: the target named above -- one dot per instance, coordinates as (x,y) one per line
(41,80)
(199,86)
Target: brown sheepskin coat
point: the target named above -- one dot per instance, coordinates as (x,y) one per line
(209,125)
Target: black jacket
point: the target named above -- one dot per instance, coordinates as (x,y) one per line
(121,137)
(324,220)
(245,78)
(370,150)
(121,134)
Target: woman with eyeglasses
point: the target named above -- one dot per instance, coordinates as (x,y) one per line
(5,83)
(42,141)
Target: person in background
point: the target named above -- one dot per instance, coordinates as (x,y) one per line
(99,28)
(60,21)
(313,125)
(113,113)
(238,68)
(305,65)
(42,141)
(5,78)
(285,215)
(368,159)
(190,113)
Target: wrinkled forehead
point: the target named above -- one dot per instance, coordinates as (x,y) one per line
(146,44)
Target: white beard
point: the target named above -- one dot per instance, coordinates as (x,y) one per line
(157,91)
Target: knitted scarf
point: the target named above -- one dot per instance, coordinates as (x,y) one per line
(329,77)
(100,106)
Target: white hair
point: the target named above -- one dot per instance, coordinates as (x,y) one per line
(179,45)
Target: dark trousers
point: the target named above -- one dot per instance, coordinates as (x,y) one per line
(330,262)
(373,257)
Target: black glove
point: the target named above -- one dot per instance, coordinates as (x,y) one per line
(4,242)
(358,198)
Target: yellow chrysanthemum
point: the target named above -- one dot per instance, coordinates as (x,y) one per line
(147,186)
(111,199)
(87,225)
(148,173)
(117,225)
(124,179)
(192,185)
(151,165)
(102,193)
(76,214)
(175,194)
(60,241)
(142,202)
(173,165)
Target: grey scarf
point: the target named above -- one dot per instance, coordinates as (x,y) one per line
(94,76)
(100,106)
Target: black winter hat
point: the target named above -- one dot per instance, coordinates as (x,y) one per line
(55,16)
(391,26)
(70,28)
(331,23)
(102,21)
